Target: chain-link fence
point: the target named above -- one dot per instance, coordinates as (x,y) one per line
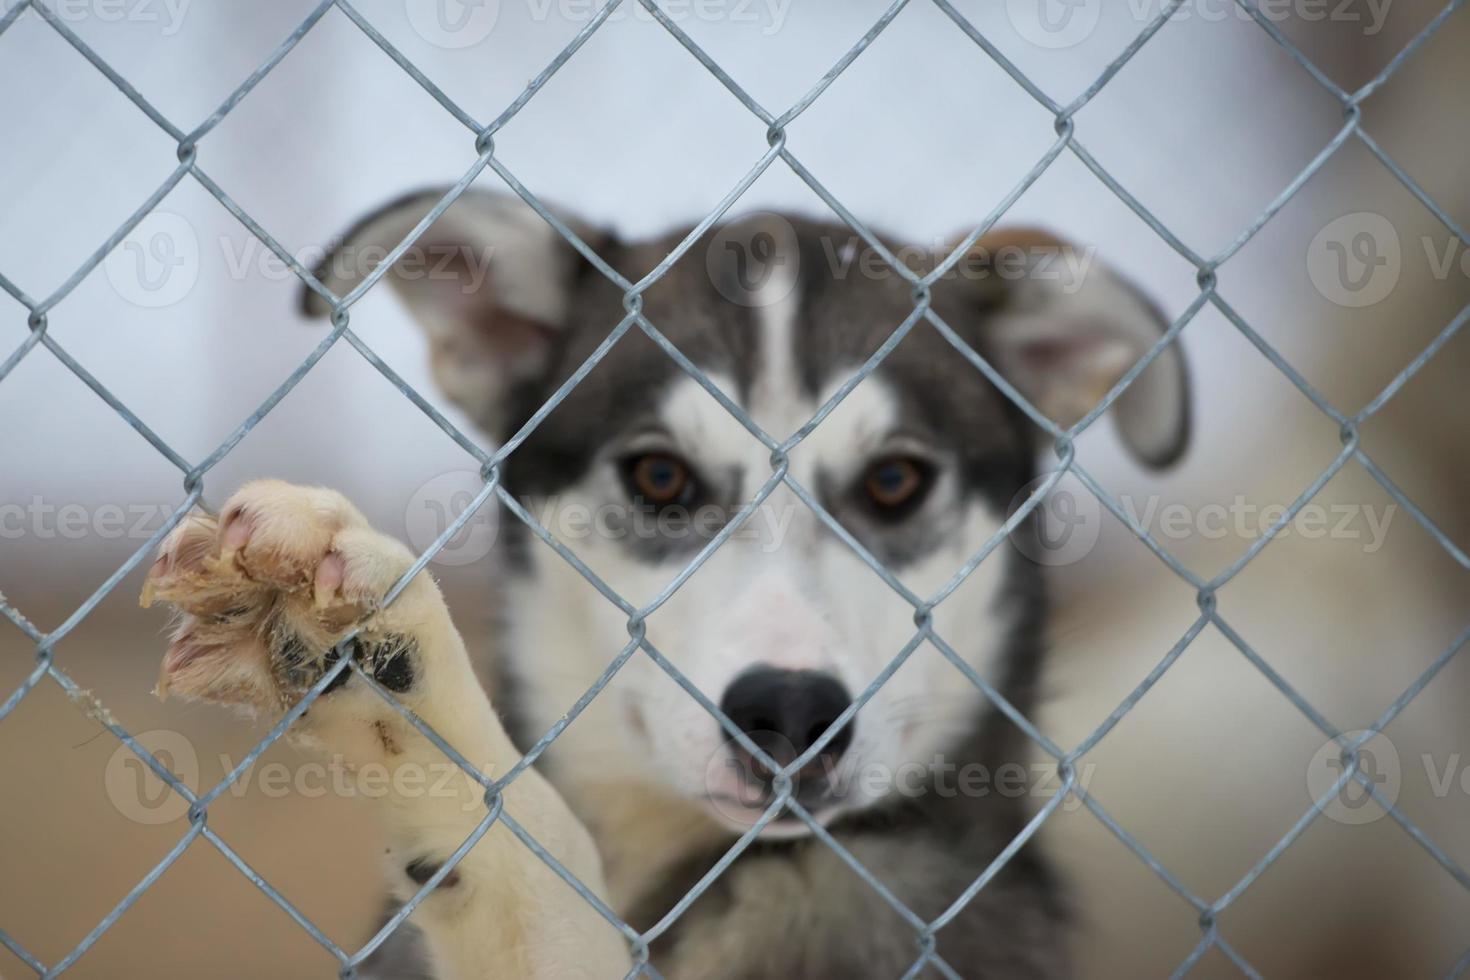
(928,936)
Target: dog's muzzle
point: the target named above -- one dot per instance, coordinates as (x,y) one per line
(785,713)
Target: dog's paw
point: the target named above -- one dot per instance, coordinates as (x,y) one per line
(268,590)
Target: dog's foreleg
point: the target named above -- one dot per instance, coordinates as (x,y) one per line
(267,591)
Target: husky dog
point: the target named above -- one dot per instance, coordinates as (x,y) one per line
(781,626)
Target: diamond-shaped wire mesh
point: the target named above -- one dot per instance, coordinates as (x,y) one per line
(928,949)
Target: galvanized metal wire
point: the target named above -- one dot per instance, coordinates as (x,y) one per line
(928,939)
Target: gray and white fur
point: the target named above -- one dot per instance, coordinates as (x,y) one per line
(784,623)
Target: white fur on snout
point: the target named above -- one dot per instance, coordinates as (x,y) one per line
(773,621)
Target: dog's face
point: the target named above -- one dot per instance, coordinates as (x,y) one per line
(642,471)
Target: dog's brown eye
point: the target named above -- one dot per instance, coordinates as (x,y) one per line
(897,486)
(659,479)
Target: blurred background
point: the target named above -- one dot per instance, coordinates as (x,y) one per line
(191,323)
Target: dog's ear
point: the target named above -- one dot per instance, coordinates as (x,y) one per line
(489,282)
(1063,329)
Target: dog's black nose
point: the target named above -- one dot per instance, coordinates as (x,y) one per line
(785,711)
